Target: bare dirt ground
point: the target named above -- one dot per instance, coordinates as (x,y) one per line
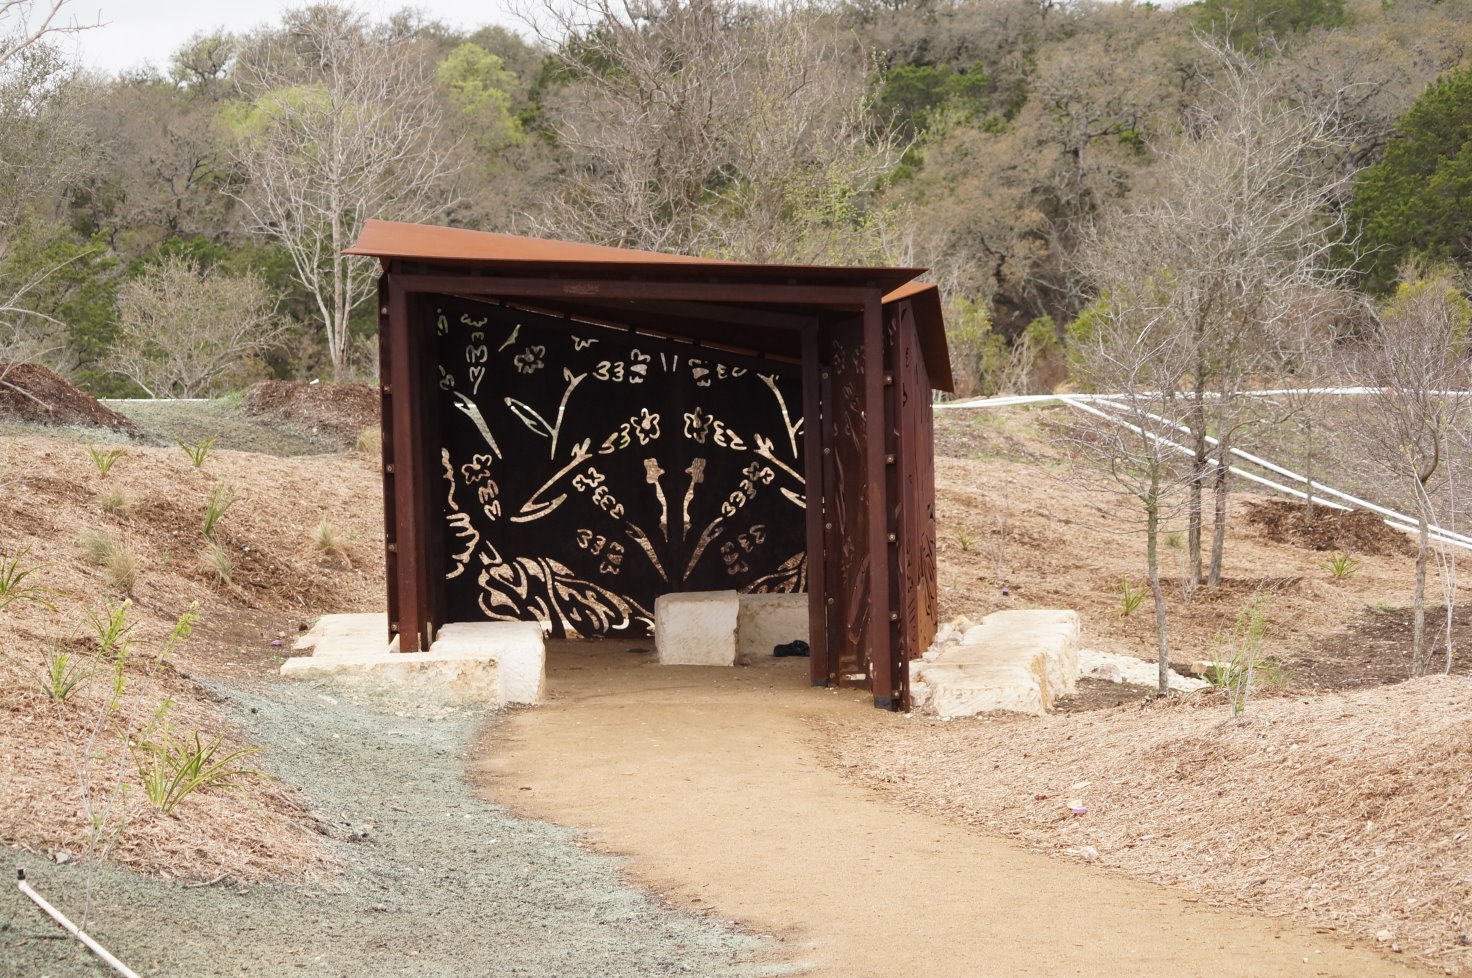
(428,882)
(708,779)
(1012,512)
(726,790)
(359,849)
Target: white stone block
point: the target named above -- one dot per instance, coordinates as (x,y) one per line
(413,679)
(491,662)
(768,620)
(345,635)
(696,628)
(1021,661)
(983,689)
(517,647)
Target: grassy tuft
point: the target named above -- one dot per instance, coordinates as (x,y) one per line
(369,442)
(216,559)
(221,498)
(110,552)
(114,500)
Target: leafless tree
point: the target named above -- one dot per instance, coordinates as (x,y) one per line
(1418,362)
(708,126)
(339,122)
(1129,343)
(42,147)
(1241,235)
(27,23)
(187,331)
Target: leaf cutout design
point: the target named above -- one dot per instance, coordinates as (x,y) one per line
(529,417)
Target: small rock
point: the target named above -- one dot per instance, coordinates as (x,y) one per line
(360,833)
(1383,935)
(62,857)
(1395,948)
(1087,853)
(381,907)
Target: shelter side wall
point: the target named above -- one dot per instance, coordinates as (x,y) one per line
(846,501)
(913,505)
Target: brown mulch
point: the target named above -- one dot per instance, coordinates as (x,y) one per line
(1353,531)
(1345,809)
(280,582)
(1375,649)
(35,394)
(343,410)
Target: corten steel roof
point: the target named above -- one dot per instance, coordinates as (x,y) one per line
(483,249)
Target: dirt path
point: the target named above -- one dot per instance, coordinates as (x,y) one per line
(709,780)
(434,882)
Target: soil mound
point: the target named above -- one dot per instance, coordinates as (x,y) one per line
(35,394)
(1354,531)
(343,410)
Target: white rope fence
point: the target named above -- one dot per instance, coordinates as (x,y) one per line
(1106,406)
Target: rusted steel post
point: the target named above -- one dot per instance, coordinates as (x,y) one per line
(409,530)
(877,463)
(386,428)
(814,436)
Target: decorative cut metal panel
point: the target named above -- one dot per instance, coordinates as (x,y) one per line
(588,469)
(846,530)
(914,507)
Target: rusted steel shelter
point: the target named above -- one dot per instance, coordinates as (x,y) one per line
(570,431)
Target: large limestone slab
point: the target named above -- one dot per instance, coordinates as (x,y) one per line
(765,621)
(696,628)
(1019,661)
(335,636)
(964,691)
(471,663)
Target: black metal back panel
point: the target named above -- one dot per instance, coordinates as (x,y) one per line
(589,469)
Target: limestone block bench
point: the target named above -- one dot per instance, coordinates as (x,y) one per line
(715,628)
(483,662)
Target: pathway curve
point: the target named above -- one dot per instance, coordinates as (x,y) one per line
(710,781)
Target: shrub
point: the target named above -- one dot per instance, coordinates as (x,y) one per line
(171,771)
(198,453)
(105,458)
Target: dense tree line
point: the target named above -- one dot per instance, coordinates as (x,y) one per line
(988,139)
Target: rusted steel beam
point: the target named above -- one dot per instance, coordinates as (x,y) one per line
(404,396)
(893,619)
(838,602)
(820,664)
(877,462)
(425,471)
(833,296)
(386,428)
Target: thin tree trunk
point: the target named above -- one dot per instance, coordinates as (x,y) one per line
(1308,469)
(1219,513)
(1418,603)
(1152,534)
(1200,457)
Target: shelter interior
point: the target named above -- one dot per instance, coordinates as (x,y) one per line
(571,431)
